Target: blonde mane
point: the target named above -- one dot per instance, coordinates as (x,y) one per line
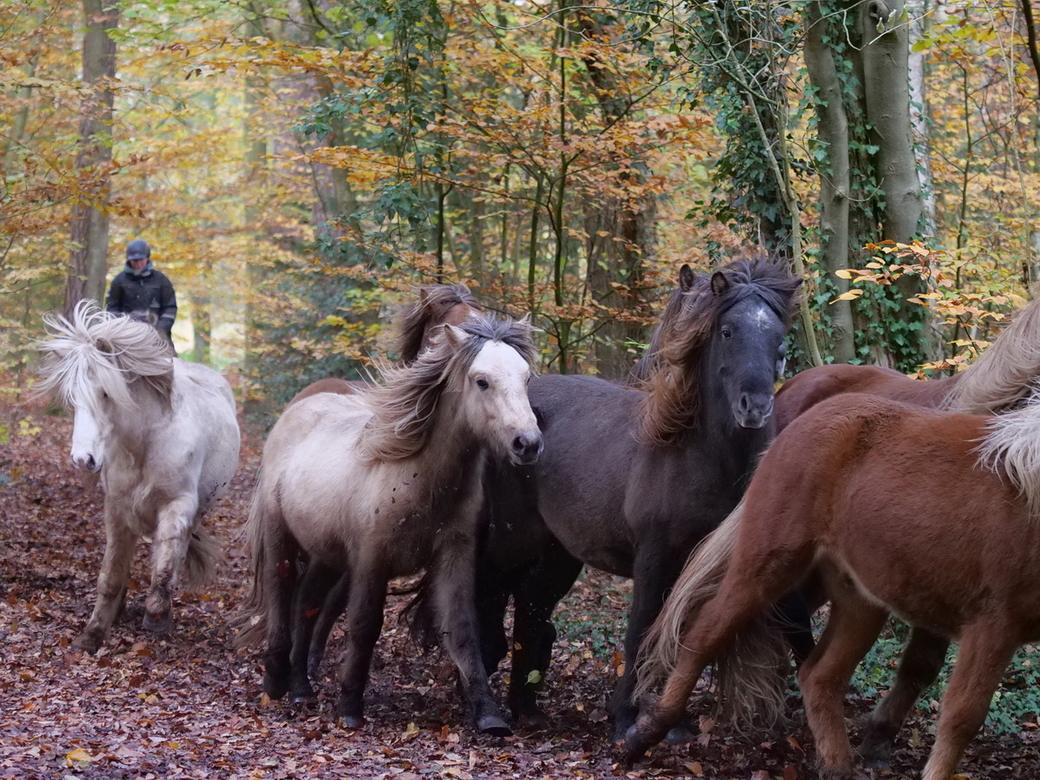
(1012,447)
(404,406)
(1002,375)
(95,349)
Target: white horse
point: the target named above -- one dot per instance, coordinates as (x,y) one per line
(163,435)
(387,483)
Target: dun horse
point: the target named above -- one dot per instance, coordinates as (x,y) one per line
(386,483)
(415,325)
(630,482)
(163,435)
(932,516)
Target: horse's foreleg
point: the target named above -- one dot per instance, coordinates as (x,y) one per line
(534,600)
(120,542)
(169,548)
(852,628)
(364,622)
(335,604)
(985,651)
(308,604)
(453,574)
(922,661)
(654,572)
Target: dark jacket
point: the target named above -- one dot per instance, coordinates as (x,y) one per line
(149,293)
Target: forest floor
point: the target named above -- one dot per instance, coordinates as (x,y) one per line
(189,705)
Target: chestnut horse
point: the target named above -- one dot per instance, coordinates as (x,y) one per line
(997,379)
(929,515)
(163,435)
(631,481)
(387,483)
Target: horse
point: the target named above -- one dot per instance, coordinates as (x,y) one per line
(998,379)
(929,515)
(438,304)
(631,481)
(164,438)
(414,327)
(383,484)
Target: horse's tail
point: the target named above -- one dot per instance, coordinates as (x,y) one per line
(420,614)
(200,564)
(749,681)
(251,619)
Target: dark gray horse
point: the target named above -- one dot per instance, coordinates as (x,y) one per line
(631,481)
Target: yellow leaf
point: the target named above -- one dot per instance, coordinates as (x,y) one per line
(78,756)
(843,273)
(851,295)
(411,732)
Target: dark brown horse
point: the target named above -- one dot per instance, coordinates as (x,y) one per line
(631,481)
(932,516)
(998,379)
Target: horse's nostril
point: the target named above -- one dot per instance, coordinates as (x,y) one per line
(90,462)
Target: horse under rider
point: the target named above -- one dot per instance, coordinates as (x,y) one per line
(142,292)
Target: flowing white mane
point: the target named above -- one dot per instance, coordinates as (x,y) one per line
(98,350)
(1012,445)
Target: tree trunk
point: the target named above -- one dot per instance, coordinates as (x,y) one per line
(88,263)
(833,136)
(619,231)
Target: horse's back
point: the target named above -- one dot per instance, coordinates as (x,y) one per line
(330,384)
(808,388)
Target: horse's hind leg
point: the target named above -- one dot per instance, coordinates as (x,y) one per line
(120,542)
(985,652)
(308,604)
(364,622)
(452,584)
(169,549)
(534,600)
(335,604)
(278,581)
(852,628)
(922,661)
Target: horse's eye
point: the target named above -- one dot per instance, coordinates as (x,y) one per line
(483,384)
(727,333)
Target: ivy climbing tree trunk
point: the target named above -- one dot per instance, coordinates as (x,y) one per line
(88,263)
(833,143)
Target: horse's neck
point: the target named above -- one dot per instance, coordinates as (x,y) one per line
(133,430)
(450,446)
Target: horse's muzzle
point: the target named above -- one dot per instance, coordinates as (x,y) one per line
(753,411)
(526,449)
(87,463)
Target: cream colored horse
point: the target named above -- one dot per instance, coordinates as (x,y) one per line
(387,483)
(162,434)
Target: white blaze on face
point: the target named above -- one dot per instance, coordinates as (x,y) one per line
(506,410)
(86,439)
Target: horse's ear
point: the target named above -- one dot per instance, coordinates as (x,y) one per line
(424,295)
(455,336)
(719,283)
(686,278)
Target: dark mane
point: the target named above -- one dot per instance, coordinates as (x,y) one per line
(404,405)
(434,304)
(670,369)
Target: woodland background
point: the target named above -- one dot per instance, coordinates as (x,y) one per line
(300,167)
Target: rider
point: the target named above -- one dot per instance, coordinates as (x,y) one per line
(142,292)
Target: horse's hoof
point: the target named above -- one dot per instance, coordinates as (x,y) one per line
(274,687)
(352,721)
(157,624)
(877,752)
(680,735)
(88,641)
(303,695)
(494,726)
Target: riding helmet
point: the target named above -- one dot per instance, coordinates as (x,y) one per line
(138,249)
